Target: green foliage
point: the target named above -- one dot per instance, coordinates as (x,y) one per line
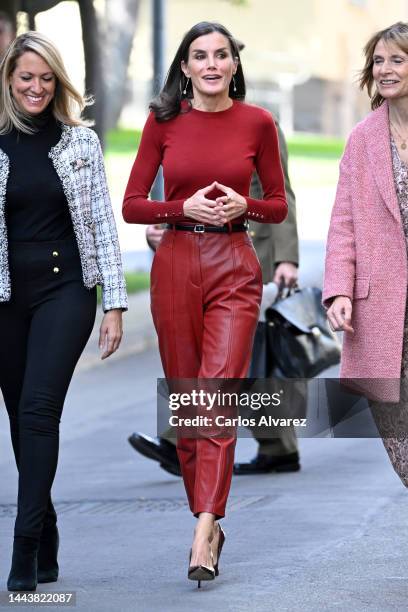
(122,141)
(135,282)
(307,145)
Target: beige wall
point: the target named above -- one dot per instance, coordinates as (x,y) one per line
(324,37)
(290,39)
(342,29)
(294,39)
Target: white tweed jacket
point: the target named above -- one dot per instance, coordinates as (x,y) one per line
(78,161)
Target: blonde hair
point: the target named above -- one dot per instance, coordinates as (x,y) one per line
(396,33)
(67,103)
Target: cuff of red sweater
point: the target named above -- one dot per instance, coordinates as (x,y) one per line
(154,211)
(264,211)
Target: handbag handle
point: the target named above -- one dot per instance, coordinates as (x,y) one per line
(284,291)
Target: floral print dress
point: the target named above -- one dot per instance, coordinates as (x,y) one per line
(392,419)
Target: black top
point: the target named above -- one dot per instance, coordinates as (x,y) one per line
(36,207)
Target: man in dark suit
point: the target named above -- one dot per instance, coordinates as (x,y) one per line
(277,248)
(278,253)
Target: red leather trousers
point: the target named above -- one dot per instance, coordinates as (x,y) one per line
(205,295)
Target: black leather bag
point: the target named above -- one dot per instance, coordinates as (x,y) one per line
(299,336)
(261,359)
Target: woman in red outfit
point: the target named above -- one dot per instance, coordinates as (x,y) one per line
(206,282)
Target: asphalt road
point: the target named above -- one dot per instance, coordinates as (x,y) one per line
(330,537)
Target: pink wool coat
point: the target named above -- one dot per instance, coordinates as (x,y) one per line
(366,258)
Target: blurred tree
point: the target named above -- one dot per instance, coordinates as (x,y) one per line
(119,31)
(108,43)
(10,7)
(94,82)
(37,6)
(94,77)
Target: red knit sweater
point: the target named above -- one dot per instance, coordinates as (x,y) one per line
(195,149)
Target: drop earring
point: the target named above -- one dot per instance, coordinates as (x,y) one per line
(185,88)
(233,80)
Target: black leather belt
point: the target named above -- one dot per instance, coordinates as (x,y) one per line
(201,229)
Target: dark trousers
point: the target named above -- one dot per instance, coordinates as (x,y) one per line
(44,327)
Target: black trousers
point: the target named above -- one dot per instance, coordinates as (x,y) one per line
(44,329)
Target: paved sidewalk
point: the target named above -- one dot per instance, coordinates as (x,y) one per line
(330,537)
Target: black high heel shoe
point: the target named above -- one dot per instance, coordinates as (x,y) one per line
(221,540)
(23,573)
(200,572)
(48,569)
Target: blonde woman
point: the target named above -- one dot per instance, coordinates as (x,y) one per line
(58,241)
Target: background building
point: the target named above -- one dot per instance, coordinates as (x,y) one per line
(301,59)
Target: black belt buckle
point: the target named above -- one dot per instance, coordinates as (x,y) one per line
(199,229)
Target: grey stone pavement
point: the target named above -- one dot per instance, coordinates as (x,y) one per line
(330,537)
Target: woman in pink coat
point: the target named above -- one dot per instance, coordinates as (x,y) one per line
(365,287)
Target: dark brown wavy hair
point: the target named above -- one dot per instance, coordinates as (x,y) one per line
(167,104)
(396,33)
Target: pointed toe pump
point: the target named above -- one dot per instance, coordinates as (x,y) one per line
(200,572)
(221,541)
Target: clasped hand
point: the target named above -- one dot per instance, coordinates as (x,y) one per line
(215,212)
